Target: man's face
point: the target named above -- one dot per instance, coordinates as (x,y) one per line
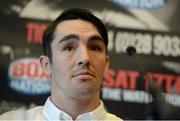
(79,59)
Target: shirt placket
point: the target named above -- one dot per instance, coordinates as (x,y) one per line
(64,117)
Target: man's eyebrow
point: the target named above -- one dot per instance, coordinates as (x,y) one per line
(68,37)
(96,37)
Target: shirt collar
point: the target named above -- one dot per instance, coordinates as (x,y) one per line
(51,112)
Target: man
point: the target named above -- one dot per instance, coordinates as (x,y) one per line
(75,60)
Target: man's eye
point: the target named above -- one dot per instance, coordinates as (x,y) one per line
(95,48)
(68,48)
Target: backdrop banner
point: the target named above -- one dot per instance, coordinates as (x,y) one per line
(143,81)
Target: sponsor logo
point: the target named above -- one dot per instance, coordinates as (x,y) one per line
(142,4)
(26,76)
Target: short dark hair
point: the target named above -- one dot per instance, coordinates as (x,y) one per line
(70,14)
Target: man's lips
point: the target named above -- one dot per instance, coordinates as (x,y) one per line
(84,75)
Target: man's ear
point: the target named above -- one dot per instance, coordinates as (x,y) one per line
(107,64)
(45,64)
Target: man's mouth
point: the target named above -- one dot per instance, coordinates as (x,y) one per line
(84,75)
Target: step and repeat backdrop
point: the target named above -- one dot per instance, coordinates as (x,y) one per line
(143,81)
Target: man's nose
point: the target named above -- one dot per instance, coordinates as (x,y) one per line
(83,58)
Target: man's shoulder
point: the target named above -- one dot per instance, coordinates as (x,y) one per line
(113,117)
(22,114)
